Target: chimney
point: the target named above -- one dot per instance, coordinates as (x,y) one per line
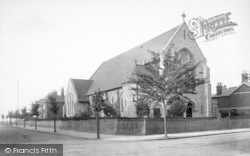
(244,77)
(62,92)
(219,88)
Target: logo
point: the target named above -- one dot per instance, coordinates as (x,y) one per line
(7,150)
(212,27)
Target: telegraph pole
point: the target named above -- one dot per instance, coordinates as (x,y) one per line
(17,94)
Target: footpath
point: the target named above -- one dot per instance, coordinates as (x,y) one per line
(113,137)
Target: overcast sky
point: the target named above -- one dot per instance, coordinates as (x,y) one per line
(43,43)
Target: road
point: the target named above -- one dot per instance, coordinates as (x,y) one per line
(227,144)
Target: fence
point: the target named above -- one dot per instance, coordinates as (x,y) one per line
(147,126)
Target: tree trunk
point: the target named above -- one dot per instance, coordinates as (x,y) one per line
(16,122)
(35,124)
(54,124)
(98,125)
(165,120)
(24,123)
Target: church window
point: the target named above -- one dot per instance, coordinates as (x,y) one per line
(70,101)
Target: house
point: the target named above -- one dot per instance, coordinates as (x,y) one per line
(233,101)
(44,106)
(113,76)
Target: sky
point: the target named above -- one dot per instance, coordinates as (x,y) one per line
(44,43)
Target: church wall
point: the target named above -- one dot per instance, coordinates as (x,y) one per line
(128,106)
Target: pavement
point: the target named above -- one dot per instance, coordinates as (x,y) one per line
(115,137)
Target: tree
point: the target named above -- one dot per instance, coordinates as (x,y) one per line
(10,115)
(109,111)
(54,107)
(165,77)
(16,115)
(177,107)
(34,112)
(2,116)
(24,115)
(97,106)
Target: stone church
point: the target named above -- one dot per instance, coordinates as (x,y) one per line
(113,76)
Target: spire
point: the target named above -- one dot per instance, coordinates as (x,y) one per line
(183,16)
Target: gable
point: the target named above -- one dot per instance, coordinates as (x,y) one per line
(182,41)
(242,88)
(118,70)
(81,88)
(70,92)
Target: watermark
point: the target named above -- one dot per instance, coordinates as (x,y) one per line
(211,28)
(31,149)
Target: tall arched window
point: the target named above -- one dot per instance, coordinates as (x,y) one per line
(70,101)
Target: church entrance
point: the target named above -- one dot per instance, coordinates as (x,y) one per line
(189,111)
(157,112)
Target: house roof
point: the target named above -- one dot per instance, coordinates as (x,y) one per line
(116,71)
(230,90)
(81,87)
(59,98)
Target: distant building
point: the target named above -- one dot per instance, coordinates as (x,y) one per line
(233,101)
(44,110)
(113,77)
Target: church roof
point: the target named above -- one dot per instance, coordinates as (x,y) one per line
(116,71)
(81,87)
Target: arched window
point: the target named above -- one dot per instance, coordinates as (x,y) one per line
(189,112)
(70,101)
(186,55)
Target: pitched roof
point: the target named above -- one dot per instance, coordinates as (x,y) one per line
(59,98)
(230,90)
(116,71)
(81,87)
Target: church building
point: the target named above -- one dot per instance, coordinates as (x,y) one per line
(113,75)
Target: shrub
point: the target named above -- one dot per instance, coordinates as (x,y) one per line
(109,111)
(142,109)
(84,115)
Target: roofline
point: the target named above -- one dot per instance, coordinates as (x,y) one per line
(77,96)
(243,83)
(96,72)
(107,90)
(177,30)
(170,40)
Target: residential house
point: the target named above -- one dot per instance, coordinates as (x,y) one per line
(113,76)
(233,101)
(44,107)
